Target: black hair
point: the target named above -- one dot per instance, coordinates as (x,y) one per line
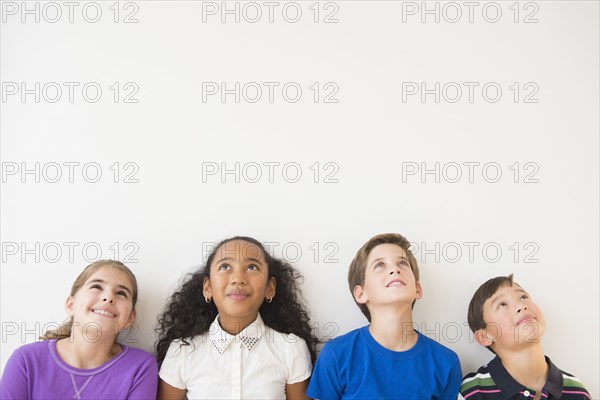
(187,314)
(481,295)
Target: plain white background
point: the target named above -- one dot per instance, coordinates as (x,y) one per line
(475,136)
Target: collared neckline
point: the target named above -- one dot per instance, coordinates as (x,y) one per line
(248,336)
(510,387)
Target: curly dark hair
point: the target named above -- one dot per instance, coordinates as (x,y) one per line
(187,314)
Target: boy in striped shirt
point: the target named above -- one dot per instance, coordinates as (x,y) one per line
(507,322)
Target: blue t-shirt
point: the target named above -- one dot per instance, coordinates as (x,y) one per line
(355,366)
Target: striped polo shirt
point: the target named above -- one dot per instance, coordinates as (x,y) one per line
(493,382)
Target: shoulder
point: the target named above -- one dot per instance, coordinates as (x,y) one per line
(29,359)
(284,339)
(138,354)
(31,353)
(573,385)
(438,349)
(347,340)
(291,351)
(570,379)
(341,360)
(34,350)
(345,348)
(36,347)
(185,346)
(288,344)
(473,382)
(280,337)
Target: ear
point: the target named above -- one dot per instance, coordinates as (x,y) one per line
(482,337)
(360,295)
(69,306)
(419,291)
(271,286)
(206,288)
(131,319)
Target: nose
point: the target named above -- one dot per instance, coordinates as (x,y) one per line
(108,300)
(395,269)
(238,278)
(521,307)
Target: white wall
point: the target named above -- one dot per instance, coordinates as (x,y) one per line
(162,211)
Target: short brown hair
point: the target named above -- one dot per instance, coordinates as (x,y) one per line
(358,266)
(482,294)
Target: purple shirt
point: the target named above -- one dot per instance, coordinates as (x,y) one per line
(35,371)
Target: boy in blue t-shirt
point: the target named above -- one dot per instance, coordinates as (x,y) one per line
(387,359)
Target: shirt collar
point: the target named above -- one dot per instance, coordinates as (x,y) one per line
(249,336)
(510,387)
(554,383)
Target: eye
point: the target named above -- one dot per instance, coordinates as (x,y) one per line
(501,305)
(96,286)
(223,267)
(404,263)
(524,297)
(122,293)
(380,264)
(252,267)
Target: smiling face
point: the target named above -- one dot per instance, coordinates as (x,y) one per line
(103,305)
(389,279)
(238,283)
(513,320)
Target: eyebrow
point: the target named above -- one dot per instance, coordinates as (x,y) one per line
(495,299)
(382,258)
(249,259)
(103,281)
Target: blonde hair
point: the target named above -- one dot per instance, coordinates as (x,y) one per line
(64,330)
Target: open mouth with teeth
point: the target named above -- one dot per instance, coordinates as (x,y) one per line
(396,282)
(103,312)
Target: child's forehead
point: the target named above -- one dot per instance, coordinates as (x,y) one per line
(239,250)
(505,289)
(110,273)
(386,250)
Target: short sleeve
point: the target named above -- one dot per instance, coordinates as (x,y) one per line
(451,390)
(297,359)
(325,382)
(14,379)
(173,367)
(146,382)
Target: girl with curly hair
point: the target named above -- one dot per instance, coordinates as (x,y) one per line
(237,328)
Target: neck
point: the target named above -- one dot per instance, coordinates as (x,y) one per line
(234,325)
(527,366)
(393,328)
(85,354)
